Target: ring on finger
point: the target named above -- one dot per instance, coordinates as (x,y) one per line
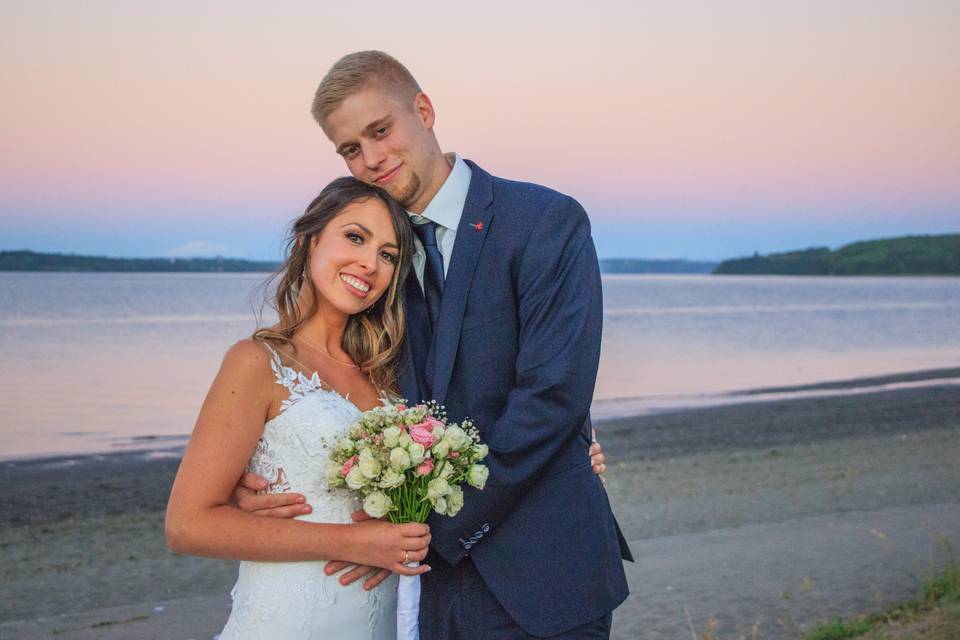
(406,557)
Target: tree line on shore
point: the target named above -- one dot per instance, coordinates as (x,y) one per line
(909,255)
(33,261)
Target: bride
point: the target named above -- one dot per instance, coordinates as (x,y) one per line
(277,399)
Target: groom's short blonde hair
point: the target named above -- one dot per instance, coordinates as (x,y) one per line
(355,72)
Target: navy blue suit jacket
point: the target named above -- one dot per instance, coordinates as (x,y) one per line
(516,349)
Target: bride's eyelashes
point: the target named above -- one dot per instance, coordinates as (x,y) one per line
(358,239)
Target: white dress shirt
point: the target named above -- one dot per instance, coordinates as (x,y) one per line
(445,209)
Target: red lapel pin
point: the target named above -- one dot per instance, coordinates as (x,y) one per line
(477,225)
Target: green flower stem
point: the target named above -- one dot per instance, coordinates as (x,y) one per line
(410,502)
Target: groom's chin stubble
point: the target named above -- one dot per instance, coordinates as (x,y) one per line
(405,194)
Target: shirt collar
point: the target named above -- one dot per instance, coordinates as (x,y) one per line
(446,207)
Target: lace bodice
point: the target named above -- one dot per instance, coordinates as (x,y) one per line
(292,452)
(296,599)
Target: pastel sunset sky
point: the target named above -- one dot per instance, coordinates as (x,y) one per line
(701,130)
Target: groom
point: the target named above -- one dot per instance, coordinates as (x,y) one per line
(504,316)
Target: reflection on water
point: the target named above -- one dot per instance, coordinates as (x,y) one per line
(685,335)
(97,362)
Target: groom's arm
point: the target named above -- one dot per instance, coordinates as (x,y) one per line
(560,313)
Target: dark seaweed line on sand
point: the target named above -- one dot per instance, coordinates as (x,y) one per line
(780,423)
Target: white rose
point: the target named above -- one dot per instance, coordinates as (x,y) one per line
(332,474)
(377,504)
(440,449)
(477,476)
(440,506)
(438,432)
(480,451)
(368,464)
(399,459)
(404,440)
(417,452)
(391,436)
(355,479)
(391,479)
(456,438)
(437,488)
(345,445)
(446,470)
(454,501)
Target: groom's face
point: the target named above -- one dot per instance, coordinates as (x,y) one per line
(385,142)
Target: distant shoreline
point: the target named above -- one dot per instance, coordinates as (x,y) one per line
(911,256)
(31,261)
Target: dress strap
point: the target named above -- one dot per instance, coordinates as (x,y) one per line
(386,398)
(284,376)
(295,382)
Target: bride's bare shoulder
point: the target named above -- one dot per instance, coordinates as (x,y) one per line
(247,357)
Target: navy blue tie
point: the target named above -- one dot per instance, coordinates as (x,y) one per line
(419,334)
(433,269)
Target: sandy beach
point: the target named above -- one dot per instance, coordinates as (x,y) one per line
(84,535)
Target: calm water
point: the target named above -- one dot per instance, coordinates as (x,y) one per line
(99,362)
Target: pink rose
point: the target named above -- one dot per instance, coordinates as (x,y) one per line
(349,464)
(400,407)
(453,455)
(433,422)
(425,467)
(420,433)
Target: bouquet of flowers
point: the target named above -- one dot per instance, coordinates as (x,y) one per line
(406,462)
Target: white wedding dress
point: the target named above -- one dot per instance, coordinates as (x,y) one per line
(296,600)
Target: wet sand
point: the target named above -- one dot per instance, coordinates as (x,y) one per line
(85,535)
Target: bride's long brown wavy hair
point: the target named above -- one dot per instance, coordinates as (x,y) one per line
(372,338)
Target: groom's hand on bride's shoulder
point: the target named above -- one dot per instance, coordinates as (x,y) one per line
(273,505)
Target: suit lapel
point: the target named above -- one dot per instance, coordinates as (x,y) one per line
(474,224)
